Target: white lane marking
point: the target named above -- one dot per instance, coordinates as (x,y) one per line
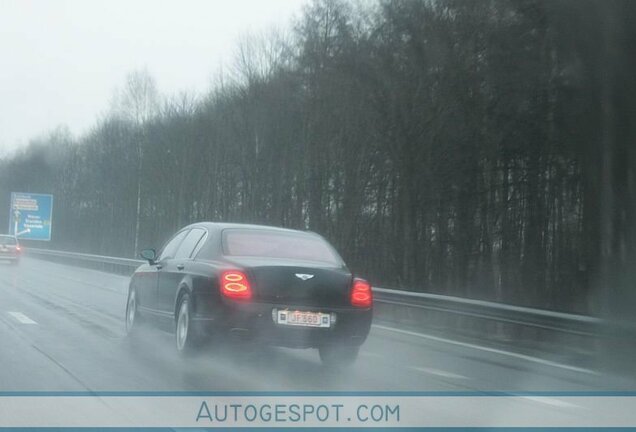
(491,350)
(438,372)
(430,371)
(22,318)
(551,401)
(427,370)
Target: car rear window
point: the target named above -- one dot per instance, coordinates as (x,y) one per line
(273,244)
(8,240)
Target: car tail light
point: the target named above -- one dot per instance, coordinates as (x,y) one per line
(18,248)
(361,295)
(234,285)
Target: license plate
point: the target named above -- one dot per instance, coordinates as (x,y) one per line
(303,319)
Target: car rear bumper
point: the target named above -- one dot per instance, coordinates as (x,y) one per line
(255,321)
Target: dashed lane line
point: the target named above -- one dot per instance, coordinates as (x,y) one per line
(426,370)
(21,318)
(438,372)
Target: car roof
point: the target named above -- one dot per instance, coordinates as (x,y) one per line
(219,226)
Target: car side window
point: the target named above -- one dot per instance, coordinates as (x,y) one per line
(208,248)
(170,248)
(189,243)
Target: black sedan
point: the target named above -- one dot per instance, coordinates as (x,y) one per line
(277,286)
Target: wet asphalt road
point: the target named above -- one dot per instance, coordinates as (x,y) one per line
(62,329)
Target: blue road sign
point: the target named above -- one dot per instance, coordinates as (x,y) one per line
(31,216)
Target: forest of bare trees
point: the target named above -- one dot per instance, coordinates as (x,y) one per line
(481,149)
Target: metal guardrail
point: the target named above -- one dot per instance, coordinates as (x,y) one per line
(122,266)
(500,312)
(127,262)
(484,310)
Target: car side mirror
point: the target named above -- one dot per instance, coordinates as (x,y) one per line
(149,255)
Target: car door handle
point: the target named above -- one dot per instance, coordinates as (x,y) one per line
(159,266)
(180,267)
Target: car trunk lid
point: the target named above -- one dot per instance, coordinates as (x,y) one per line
(296,283)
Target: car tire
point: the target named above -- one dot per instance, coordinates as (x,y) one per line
(338,356)
(185,337)
(133,318)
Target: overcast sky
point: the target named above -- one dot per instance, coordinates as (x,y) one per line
(60,60)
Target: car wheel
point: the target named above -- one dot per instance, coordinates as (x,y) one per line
(338,356)
(132,313)
(184,333)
